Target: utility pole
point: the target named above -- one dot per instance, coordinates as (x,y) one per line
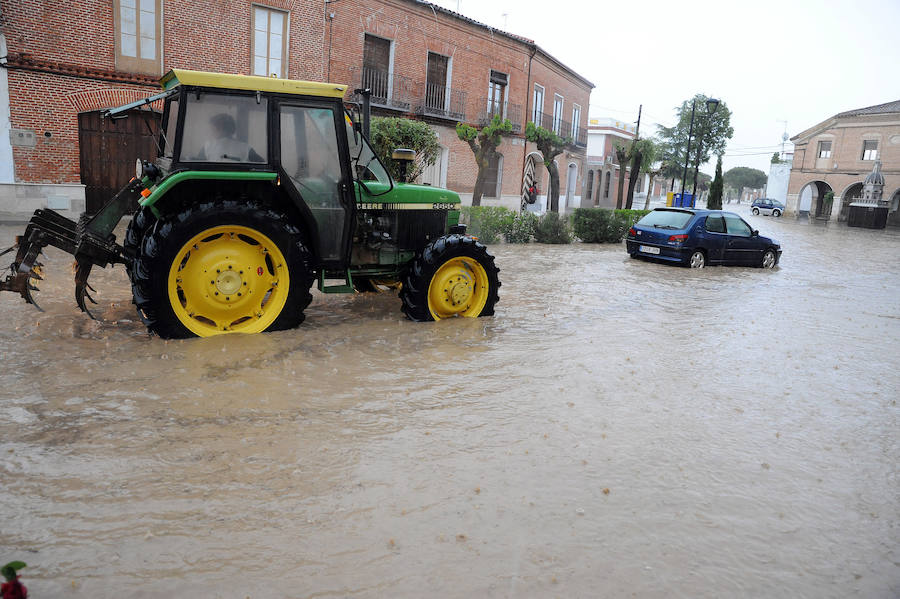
(637,129)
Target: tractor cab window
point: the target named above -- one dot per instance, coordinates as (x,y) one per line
(366,166)
(224,128)
(170,127)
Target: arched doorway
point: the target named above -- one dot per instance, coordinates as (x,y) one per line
(533,174)
(814,193)
(851,194)
(571,178)
(589,188)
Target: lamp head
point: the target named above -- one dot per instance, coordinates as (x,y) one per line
(712,105)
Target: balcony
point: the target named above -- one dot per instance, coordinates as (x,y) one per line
(441,102)
(507,110)
(389,90)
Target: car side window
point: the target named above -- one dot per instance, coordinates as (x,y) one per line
(736,226)
(714,224)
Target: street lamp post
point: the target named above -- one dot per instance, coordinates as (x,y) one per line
(711,106)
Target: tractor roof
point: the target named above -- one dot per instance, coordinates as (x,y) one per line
(251,82)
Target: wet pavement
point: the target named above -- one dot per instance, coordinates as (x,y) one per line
(619,428)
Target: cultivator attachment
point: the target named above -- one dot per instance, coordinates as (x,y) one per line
(90,240)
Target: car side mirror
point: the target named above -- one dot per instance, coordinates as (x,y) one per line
(754,233)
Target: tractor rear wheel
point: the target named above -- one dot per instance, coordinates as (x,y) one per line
(222,267)
(453,276)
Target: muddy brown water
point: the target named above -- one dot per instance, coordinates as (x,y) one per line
(620,428)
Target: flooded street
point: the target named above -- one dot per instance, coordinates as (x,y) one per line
(620,428)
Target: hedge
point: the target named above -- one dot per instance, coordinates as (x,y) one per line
(602,225)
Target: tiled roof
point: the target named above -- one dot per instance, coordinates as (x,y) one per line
(877,109)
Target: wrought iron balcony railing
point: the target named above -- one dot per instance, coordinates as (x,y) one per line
(441,102)
(389,90)
(506,110)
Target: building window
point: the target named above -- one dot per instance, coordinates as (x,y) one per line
(557,113)
(492,176)
(606,187)
(138,47)
(870,149)
(590,185)
(538,105)
(270,29)
(576,119)
(377,67)
(824,149)
(436,83)
(496,103)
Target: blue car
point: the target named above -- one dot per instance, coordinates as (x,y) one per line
(696,238)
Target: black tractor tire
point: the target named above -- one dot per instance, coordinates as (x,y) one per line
(141,222)
(163,242)
(418,278)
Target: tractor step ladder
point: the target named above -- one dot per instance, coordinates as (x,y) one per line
(347,287)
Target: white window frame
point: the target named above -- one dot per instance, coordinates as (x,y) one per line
(535,109)
(576,118)
(558,101)
(504,101)
(820,150)
(874,151)
(285,40)
(137,63)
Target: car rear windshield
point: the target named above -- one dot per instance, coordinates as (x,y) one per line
(666,219)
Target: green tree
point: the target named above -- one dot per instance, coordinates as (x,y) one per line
(710,136)
(715,192)
(388,134)
(739,177)
(776,158)
(550,146)
(484,144)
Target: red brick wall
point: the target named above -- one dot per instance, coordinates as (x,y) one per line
(77,38)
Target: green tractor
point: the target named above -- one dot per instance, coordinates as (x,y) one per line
(262,187)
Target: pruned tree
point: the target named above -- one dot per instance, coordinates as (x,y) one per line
(643,155)
(550,145)
(484,144)
(388,134)
(739,177)
(715,191)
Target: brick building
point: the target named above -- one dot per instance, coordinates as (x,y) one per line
(837,154)
(427,62)
(67,60)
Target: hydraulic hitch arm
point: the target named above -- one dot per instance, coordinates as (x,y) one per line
(90,240)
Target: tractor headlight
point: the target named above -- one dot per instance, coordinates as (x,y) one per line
(142,169)
(139,169)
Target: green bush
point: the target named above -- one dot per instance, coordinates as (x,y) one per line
(552,228)
(520,228)
(486,223)
(602,225)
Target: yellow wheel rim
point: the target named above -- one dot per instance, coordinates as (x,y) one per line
(228,279)
(458,288)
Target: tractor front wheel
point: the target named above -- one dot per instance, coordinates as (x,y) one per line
(222,267)
(453,276)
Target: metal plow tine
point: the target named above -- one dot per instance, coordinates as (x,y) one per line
(82,272)
(26,293)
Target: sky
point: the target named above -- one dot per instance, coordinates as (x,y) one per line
(799,61)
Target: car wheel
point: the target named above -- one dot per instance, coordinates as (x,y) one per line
(769,259)
(756,211)
(698,259)
(776,213)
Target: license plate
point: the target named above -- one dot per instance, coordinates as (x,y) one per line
(648,250)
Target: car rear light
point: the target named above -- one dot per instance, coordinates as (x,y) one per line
(678,238)
(632,232)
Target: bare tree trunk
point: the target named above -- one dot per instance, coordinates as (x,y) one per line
(621,157)
(479,187)
(636,160)
(649,191)
(553,199)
